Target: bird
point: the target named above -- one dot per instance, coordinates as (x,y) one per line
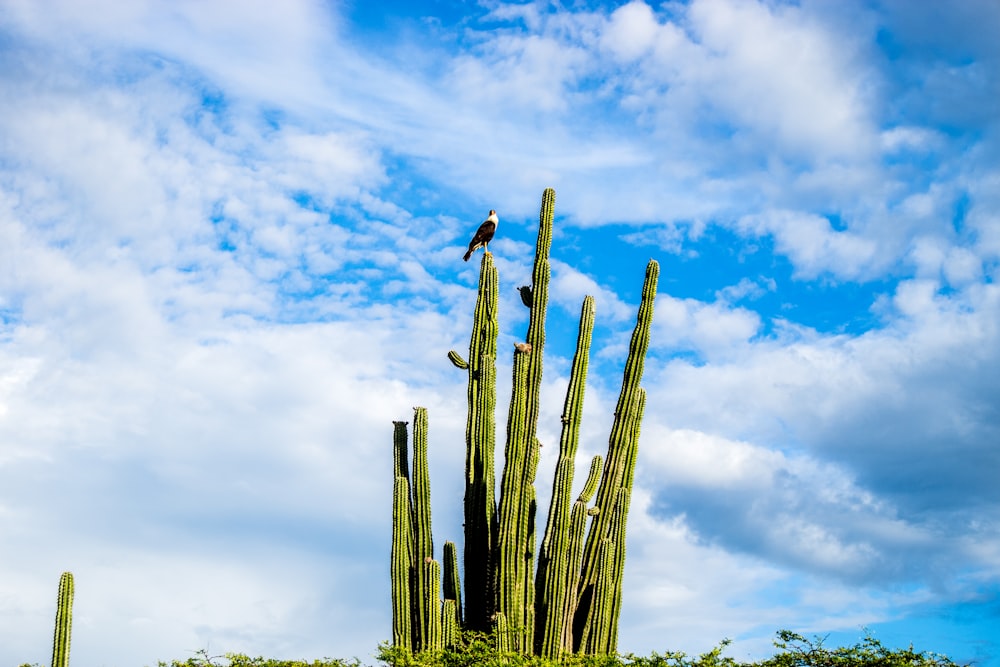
(483,235)
(523,348)
(526,298)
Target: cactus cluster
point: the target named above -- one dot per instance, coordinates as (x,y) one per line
(421,621)
(567,597)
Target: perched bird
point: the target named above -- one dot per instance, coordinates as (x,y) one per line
(483,235)
(526,297)
(523,348)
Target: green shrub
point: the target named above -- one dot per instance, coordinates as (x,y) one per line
(203,659)
(476,649)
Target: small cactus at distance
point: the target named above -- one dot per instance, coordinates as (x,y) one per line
(64,621)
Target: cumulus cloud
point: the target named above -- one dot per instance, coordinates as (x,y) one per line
(710,329)
(815,247)
(882,404)
(784,75)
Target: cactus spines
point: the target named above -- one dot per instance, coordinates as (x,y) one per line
(515,538)
(64,621)
(480,440)
(553,578)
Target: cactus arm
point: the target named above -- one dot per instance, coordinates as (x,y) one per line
(456,359)
(64,621)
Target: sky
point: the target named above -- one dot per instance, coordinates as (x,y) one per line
(230,256)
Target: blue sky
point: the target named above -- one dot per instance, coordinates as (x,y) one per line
(230,242)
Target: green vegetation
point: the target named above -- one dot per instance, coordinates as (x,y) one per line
(795,650)
(569,601)
(476,649)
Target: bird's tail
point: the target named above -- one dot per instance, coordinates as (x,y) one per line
(468,254)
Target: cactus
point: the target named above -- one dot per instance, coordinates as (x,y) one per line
(64,621)
(449,623)
(401,558)
(416,576)
(619,467)
(594,637)
(574,557)
(480,440)
(401,565)
(423,541)
(451,586)
(515,543)
(433,639)
(503,633)
(552,583)
(573,601)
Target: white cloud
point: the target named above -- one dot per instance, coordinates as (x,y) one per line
(712,329)
(785,75)
(568,287)
(665,608)
(746,289)
(909,138)
(702,459)
(815,247)
(631,31)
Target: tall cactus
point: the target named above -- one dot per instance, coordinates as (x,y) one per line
(401,565)
(573,601)
(619,467)
(552,583)
(515,543)
(416,576)
(480,441)
(401,558)
(64,621)
(451,587)
(423,542)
